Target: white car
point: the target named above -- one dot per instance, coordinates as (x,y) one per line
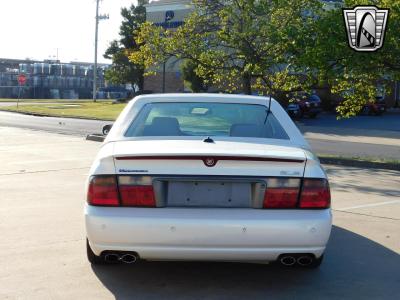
(207,177)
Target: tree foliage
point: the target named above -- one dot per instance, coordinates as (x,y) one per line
(238,46)
(276,47)
(195,82)
(123,70)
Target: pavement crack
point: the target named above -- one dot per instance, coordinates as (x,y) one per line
(366,215)
(44,171)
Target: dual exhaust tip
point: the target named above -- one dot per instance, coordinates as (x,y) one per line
(126,258)
(302,260)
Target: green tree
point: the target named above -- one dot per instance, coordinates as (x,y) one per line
(122,69)
(237,45)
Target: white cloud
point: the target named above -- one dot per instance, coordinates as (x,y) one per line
(36,28)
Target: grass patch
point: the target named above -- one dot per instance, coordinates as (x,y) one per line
(377,160)
(46,100)
(99,110)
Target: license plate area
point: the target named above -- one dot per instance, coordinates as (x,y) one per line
(205,192)
(209,194)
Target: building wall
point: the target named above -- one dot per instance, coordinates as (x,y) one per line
(173,83)
(169,14)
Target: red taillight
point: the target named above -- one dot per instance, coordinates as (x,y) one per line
(285,193)
(315,194)
(136,191)
(103,191)
(282,193)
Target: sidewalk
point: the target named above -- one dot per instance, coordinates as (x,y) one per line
(378,137)
(365,137)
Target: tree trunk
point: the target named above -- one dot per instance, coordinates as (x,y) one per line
(141,82)
(247,84)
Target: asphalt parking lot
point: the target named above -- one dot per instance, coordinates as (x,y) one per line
(42,253)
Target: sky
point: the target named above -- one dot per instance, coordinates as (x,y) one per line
(37,28)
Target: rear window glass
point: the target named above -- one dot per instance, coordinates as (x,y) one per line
(206,119)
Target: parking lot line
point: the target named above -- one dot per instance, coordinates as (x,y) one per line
(370,205)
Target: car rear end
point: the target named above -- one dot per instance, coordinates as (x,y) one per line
(224,200)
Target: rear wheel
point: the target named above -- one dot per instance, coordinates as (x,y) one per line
(93,258)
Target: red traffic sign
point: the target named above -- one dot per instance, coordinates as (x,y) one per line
(21,79)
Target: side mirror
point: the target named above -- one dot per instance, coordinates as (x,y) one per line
(106,129)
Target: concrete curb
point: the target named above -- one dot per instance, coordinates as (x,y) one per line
(53,116)
(359,163)
(95,138)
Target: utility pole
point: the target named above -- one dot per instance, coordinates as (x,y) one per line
(96,39)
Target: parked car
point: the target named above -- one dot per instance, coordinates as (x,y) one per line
(106,129)
(207,177)
(304,105)
(376,108)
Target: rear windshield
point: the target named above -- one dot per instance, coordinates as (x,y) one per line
(206,119)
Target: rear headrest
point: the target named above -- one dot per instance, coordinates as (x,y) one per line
(247,130)
(163,126)
(165,121)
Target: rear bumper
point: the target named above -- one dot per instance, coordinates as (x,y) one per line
(207,234)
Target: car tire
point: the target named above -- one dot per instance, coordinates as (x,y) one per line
(366,111)
(106,129)
(93,258)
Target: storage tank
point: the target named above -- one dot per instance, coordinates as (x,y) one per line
(46,68)
(25,68)
(56,69)
(89,72)
(70,82)
(37,81)
(52,81)
(46,81)
(37,68)
(68,70)
(83,81)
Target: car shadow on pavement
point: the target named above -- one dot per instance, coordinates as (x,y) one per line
(346,180)
(354,267)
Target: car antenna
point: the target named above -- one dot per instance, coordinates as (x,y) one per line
(269,109)
(208,140)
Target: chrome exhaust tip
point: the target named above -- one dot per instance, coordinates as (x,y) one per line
(287,260)
(128,258)
(111,257)
(305,261)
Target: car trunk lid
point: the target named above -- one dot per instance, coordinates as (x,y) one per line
(220,158)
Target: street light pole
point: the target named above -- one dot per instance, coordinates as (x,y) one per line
(96,39)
